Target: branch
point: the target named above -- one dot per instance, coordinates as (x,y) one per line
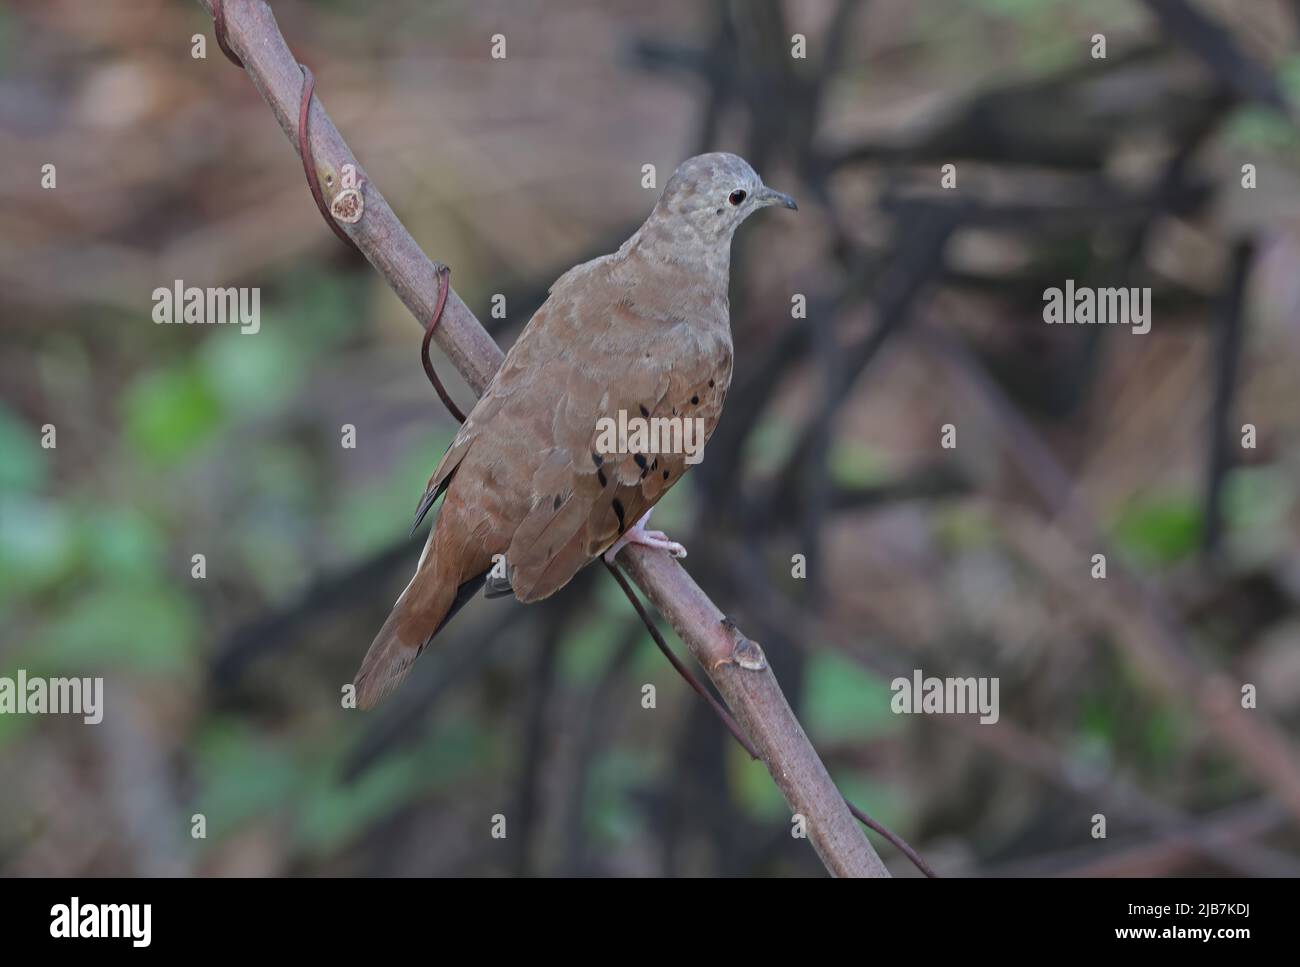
(761,711)
(1144,623)
(1232,326)
(755,696)
(1216,45)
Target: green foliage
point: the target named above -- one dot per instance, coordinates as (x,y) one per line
(14,727)
(10,39)
(672,513)
(1112,727)
(170,412)
(843,701)
(252,374)
(120,544)
(245,776)
(1025,13)
(852,464)
(589,646)
(147,628)
(23,465)
(317,310)
(330,812)
(1159,531)
(37,545)
(964,526)
(753,787)
(1257,503)
(1257,127)
(367,518)
(615,774)
(1163,530)
(243,773)
(768,445)
(649,665)
(1261,128)
(882,801)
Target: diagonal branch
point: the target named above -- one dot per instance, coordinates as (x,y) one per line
(1144,622)
(754,696)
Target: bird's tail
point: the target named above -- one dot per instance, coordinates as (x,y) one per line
(418,615)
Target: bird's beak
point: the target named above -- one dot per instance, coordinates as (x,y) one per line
(769,196)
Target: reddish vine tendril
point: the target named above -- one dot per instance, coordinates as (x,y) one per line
(313,182)
(309,163)
(443,274)
(304,113)
(219,28)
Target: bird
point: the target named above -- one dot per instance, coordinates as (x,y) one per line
(536,484)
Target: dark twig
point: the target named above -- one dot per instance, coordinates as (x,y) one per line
(1014,743)
(532,741)
(1145,624)
(590,730)
(919,258)
(278,627)
(1231,333)
(398,722)
(1228,830)
(720,710)
(1218,49)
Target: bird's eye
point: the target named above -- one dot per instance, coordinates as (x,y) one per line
(737,196)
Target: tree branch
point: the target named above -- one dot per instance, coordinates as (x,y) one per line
(754,696)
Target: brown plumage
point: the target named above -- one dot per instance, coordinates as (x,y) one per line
(645,331)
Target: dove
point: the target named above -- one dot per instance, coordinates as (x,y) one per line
(534,485)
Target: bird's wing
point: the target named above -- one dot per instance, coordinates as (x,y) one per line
(517,373)
(526,473)
(483,415)
(579,500)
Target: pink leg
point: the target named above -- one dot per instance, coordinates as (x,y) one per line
(648,538)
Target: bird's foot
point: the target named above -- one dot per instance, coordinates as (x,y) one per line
(647,538)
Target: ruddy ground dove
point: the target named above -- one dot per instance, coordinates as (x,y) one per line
(642,333)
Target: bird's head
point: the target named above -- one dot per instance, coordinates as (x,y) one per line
(714,193)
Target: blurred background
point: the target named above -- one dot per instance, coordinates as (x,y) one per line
(1119,697)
